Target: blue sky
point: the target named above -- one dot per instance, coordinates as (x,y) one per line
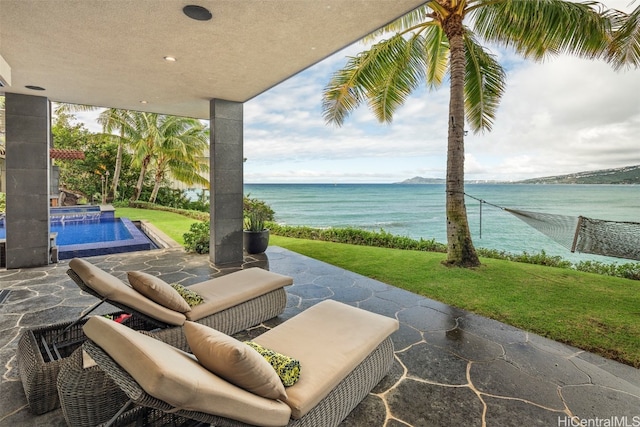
(565,115)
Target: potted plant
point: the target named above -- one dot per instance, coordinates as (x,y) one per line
(255,235)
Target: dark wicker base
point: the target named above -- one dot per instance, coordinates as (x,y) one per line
(328,413)
(149,417)
(38,368)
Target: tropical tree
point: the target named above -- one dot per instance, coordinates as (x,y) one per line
(180,152)
(114,119)
(442,39)
(174,143)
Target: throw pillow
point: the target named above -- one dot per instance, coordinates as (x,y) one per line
(232,360)
(287,368)
(157,290)
(191,297)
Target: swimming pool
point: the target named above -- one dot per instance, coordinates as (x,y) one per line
(99,236)
(102,237)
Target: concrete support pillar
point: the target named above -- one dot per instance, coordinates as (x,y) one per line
(226,178)
(28,122)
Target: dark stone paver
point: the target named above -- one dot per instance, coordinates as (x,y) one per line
(500,378)
(452,367)
(500,413)
(423,404)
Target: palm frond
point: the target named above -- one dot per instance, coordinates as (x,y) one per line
(64,108)
(436,48)
(485,82)
(358,80)
(342,95)
(535,28)
(625,46)
(415,17)
(398,69)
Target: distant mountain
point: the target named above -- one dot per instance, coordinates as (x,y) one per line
(625,175)
(421,180)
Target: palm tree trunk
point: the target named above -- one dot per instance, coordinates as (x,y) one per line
(116,172)
(156,187)
(143,171)
(460,250)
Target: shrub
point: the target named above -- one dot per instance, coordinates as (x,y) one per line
(356,236)
(197,239)
(257,206)
(628,270)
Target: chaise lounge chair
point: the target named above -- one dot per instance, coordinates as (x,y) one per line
(343,353)
(232,303)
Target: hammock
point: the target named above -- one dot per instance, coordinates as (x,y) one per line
(587,235)
(580,234)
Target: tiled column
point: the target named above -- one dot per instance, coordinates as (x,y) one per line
(226,182)
(27,159)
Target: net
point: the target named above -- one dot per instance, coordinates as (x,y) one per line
(587,235)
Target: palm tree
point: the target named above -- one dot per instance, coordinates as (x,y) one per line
(115,119)
(180,152)
(144,134)
(440,38)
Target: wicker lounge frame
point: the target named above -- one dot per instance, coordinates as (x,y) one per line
(329,412)
(229,321)
(42,351)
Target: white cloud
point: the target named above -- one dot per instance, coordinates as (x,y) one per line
(562,116)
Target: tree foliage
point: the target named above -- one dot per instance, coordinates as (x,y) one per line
(153,148)
(443,40)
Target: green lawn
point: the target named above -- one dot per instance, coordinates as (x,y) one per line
(593,312)
(172,224)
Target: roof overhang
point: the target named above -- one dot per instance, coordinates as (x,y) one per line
(110,53)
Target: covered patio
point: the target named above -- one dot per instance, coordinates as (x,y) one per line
(202,60)
(451,367)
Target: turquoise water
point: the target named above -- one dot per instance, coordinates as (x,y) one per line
(418,211)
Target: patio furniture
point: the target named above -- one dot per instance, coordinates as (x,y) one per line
(38,366)
(233,302)
(343,352)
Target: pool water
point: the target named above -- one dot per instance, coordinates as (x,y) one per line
(104,230)
(97,236)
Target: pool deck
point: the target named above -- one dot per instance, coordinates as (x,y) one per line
(451,367)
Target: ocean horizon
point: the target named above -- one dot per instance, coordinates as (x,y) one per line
(418,210)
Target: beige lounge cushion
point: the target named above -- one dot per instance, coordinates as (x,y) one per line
(234,288)
(177,378)
(234,361)
(329,339)
(158,290)
(115,289)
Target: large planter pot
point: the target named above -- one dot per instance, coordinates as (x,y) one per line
(255,242)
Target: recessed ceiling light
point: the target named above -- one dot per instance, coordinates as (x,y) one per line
(34,87)
(170,58)
(196,12)
(143,102)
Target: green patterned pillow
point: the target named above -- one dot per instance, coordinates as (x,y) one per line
(287,368)
(191,297)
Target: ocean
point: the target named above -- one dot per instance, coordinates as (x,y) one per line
(418,211)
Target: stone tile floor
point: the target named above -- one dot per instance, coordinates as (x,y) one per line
(452,367)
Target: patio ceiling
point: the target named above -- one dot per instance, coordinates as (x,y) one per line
(111,53)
